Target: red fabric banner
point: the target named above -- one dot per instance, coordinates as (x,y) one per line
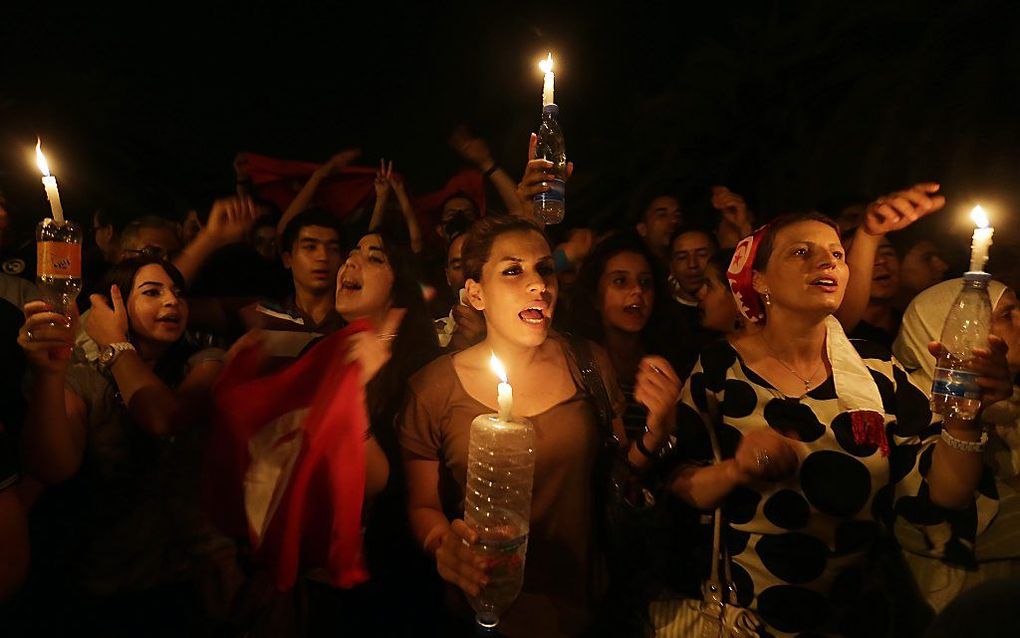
(315,516)
(278,181)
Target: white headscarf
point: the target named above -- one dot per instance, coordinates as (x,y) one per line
(922,323)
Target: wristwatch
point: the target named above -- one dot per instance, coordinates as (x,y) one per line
(109,354)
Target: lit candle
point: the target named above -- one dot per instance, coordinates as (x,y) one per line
(504,393)
(50,183)
(981,241)
(550,80)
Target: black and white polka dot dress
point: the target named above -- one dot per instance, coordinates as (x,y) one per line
(801,547)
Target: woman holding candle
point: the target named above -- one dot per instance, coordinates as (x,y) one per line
(127,429)
(511,280)
(824,443)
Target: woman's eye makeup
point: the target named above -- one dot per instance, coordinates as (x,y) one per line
(513,270)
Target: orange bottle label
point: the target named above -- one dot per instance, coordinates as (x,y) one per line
(58,259)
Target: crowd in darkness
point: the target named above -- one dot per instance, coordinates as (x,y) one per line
(774,367)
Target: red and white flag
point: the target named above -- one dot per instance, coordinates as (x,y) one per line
(286,464)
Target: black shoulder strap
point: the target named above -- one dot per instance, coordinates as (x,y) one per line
(591,377)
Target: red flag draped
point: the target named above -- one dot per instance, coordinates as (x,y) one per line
(278,181)
(286,463)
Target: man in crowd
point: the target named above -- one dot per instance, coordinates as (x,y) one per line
(690,250)
(657,223)
(311,251)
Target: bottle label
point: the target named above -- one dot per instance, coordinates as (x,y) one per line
(58,259)
(556,193)
(956,383)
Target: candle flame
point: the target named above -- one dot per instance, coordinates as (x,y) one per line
(40,159)
(979,216)
(497,367)
(547,64)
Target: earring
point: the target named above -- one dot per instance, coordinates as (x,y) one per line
(765,296)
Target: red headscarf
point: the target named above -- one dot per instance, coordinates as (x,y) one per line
(740,274)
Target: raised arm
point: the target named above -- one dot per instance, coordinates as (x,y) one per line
(307,192)
(54,438)
(886,214)
(382,187)
(407,210)
(476,151)
(230,219)
(534,181)
(156,408)
(736,220)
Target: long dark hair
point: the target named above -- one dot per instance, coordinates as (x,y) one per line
(584,316)
(415,344)
(172,364)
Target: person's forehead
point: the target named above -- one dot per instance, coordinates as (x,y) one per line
(807,231)
(456,246)
(152,272)
(523,244)
(370,241)
(265,231)
(628,261)
(664,201)
(458,203)
(692,240)
(320,233)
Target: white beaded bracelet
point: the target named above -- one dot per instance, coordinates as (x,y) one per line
(965,446)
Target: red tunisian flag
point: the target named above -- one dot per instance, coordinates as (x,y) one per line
(286,463)
(278,181)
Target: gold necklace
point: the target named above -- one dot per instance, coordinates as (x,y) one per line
(807,381)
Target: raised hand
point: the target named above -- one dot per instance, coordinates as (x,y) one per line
(230,219)
(383,180)
(373,349)
(732,207)
(898,210)
(339,161)
(579,243)
(990,364)
(537,175)
(657,387)
(472,149)
(47,337)
(107,323)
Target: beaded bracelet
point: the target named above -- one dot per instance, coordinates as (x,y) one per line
(965,446)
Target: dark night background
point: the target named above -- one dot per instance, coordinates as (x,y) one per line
(794,104)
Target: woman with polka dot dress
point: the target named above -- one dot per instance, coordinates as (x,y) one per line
(827,446)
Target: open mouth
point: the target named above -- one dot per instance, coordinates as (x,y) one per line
(169,320)
(635,309)
(534,315)
(828,284)
(882,277)
(349,285)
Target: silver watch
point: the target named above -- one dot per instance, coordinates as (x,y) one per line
(109,354)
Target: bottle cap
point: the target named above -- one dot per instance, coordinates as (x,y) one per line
(977,275)
(552,109)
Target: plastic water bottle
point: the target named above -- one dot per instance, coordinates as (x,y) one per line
(954,390)
(501,467)
(551,205)
(58,263)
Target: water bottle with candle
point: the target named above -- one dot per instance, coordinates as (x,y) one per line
(497,504)
(955,391)
(58,249)
(550,205)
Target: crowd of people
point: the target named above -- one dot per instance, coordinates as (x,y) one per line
(761,377)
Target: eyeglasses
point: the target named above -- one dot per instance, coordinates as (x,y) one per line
(150,252)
